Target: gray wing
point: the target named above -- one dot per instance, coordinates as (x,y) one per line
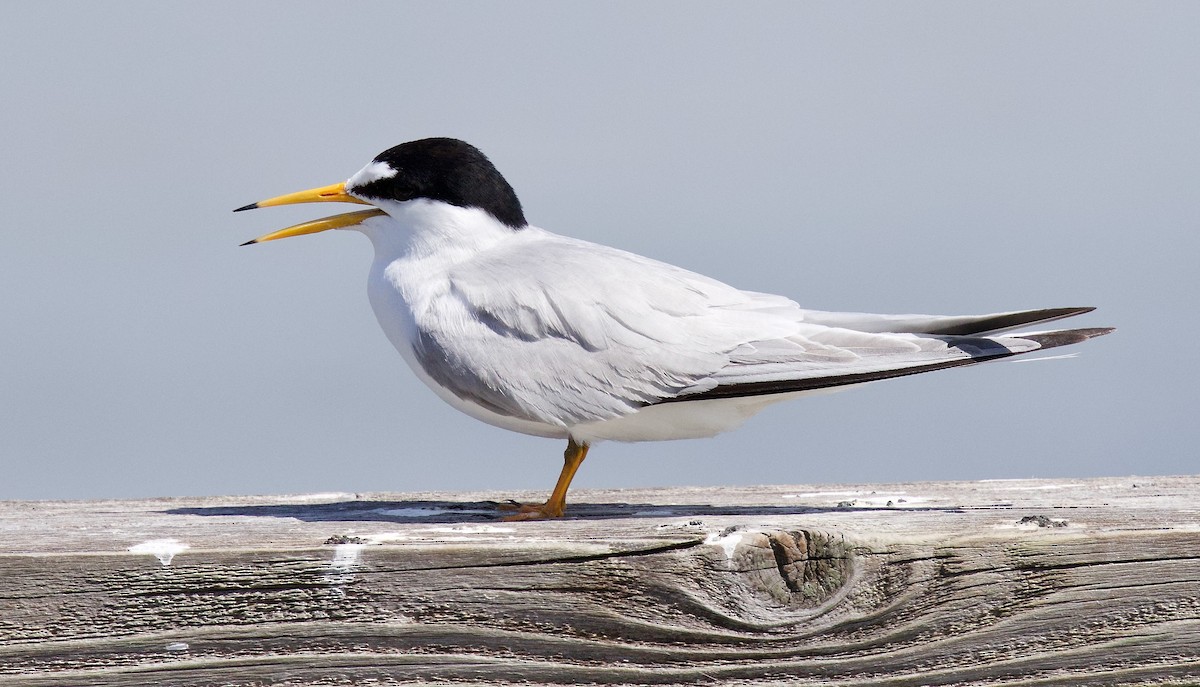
(563,332)
(559,331)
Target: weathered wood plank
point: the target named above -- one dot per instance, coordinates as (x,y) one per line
(911,584)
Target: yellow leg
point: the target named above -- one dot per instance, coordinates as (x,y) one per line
(557,503)
(572,459)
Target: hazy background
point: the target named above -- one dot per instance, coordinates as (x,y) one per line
(930,157)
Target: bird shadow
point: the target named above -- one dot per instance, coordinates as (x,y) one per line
(450,512)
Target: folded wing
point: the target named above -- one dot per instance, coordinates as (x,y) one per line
(564,332)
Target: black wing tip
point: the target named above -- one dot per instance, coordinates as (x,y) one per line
(251,206)
(1069,312)
(250,242)
(986,325)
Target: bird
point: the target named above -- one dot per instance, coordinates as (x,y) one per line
(558,337)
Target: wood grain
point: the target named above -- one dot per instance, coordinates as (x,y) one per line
(911,584)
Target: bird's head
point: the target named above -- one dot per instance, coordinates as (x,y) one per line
(436,169)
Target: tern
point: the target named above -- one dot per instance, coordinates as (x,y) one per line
(557,337)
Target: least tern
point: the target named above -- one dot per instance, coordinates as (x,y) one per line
(557,337)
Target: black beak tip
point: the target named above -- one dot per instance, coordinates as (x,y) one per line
(248,242)
(251,206)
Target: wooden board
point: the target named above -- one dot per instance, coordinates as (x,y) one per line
(904,584)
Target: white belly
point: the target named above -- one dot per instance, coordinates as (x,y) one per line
(685,419)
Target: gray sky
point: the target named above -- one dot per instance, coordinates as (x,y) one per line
(929,157)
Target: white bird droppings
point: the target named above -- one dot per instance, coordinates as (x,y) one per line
(162,549)
(177,646)
(728,542)
(345,556)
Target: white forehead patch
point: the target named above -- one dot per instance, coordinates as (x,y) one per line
(372,172)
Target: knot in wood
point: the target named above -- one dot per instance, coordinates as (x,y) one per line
(790,569)
(812,565)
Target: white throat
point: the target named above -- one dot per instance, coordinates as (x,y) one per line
(425,228)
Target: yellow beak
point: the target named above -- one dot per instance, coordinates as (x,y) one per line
(333,193)
(346,219)
(326,194)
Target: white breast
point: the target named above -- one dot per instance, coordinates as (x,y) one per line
(390,287)
(414,248)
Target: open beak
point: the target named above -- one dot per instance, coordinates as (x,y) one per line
(325,194)
(346,219)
